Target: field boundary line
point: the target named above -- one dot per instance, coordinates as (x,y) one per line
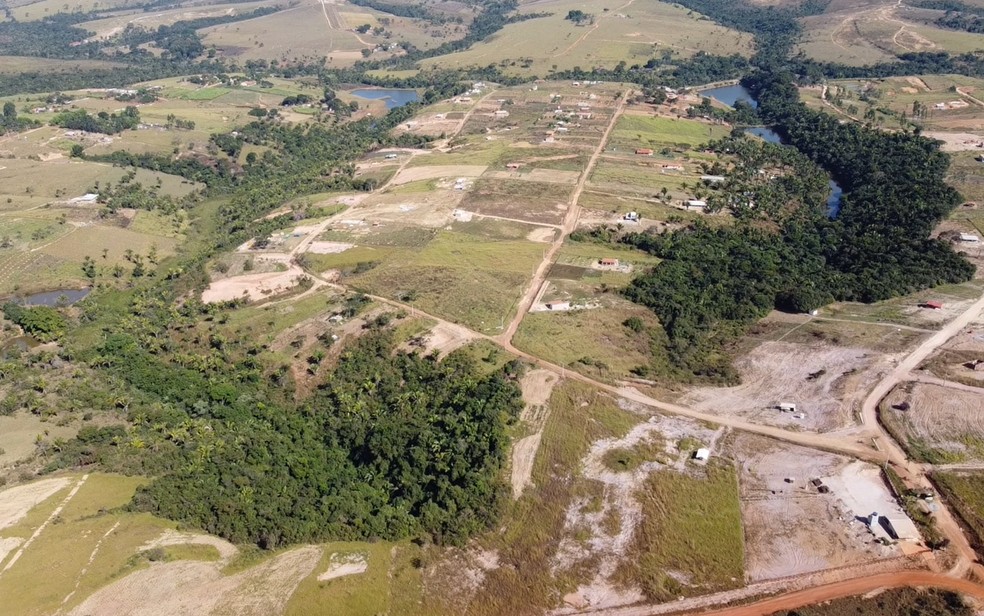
(34,535)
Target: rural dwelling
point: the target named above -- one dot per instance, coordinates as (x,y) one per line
(899,527)
(967,237)
(787,407)
(391,157)
(513,165)
(702,454)
(559,306)
(464,99)
(712,179)
(644,152)
(631,216)
(939,106)
(501,113)
(696,203)
(933,305)
(672,167)
(584,115)
(608,262)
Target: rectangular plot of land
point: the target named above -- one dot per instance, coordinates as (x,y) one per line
(518,199)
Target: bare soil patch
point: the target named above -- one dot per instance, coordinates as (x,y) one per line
(254,287)
(17,501)
(446,337)
(957,142)
(823,381)
(537,387)
(172,537)
(778,540)
(192,587)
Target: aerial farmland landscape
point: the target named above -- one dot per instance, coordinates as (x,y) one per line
(491,307)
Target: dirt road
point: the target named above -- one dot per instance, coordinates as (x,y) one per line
(569,224)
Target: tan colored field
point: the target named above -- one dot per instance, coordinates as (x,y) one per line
(18,433)
(438,172)
(877,31)
(622,30)
(110,26)
(255,287)
(778,543)
(825,382)
(16,502)
(941,423)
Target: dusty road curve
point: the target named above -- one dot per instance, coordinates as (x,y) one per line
(848,588)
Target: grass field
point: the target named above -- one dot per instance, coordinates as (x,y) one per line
(152,20)
(593,342)
(464,278)
(10,65)
(640,131)
(633,34)
(533,527)
(39,9)
(691,530)
(964,492)
(38,583)
(391,584)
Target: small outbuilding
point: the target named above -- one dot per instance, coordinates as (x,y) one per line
(696,203)
(787,407)
(631,216)
(703,454)
(969,237)
(608,262)
(644,151)
(933,305)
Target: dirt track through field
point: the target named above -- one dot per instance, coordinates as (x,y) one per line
(570,223)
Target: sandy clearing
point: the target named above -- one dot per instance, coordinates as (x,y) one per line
(434,172)
(344,564)
(777,542)
(172,537)
(956,142)
(254,286)
(779,372)
(328,248)
(860,487)
(16,502)
(191,588)
(447,337)
(537,386)
(8,545)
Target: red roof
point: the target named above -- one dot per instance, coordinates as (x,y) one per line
(934,305)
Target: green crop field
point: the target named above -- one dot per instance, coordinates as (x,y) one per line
(642,131)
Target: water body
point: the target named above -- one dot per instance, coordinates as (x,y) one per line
(392,97)
(729,95)
(55,298)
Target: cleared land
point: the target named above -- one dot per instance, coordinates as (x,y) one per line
(823,381)
(877,31)
(621,31)
(777,543)
(936,424)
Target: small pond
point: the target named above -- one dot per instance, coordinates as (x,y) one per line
(731,94)
(54,298)
(392,97)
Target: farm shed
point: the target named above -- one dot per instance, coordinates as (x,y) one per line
(696,203)
(787,407)
(609,262)
(703,454)
(712,179)
(644,152)
(968,237)
(933,305)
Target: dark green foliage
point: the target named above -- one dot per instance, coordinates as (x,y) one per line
(42,322)
(391,446)
(11,123)
(102,122)
(784,252)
